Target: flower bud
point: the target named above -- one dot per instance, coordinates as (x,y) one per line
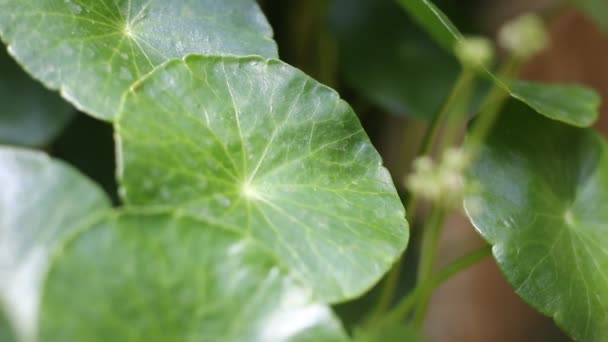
(524,36)
(474,52)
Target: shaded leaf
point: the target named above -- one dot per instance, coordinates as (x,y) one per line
(387,58)
(576,105)
(542,203)
(433,21)
(162,277)
(30,114)
(42,202)
(93,50)
(569,103)
(266,150)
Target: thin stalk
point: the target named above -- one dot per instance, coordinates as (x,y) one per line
(461,86)
(492,105)
(430,240)
(460,264)
(403,308)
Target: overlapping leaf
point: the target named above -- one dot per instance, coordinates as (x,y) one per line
(93,50)
(134,276)
(30,115)
(543,203)
(161,277)
(266,150)
(573,104)
(42,201)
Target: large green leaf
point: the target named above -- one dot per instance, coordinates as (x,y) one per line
(267,150)
(597,10)
(162,277)
(93,50)
(575,105)
(42,201)
(391,61)
(30,115)
(542,201)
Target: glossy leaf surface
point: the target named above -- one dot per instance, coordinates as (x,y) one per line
(264,149)
(30,115)
(543,205)
(42,201)
(576,105)
(162,277)
(93,50)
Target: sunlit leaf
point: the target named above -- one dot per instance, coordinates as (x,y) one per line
(93,50)
(41,203)
(162,277)
(266,150)
(542,202)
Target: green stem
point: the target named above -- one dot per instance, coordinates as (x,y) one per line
(403,308)
(430,240)
(461,86)
(492,105)
(460,264)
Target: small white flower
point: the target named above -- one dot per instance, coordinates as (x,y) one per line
(524,36)
(474,52)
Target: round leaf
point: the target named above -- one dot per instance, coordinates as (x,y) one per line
(41,202)
(160,277)
(93,50)
(543,204)
(265,149)
(30,114)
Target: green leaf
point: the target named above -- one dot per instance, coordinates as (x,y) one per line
(30,114)
(433,21)
(575,105)
(267,150)
(542,202)
(42,201)
(6,332)
(569,103)
(93,50)
(596,10)
(391,61)
(163,277)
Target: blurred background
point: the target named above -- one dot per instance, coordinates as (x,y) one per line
(395,78)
